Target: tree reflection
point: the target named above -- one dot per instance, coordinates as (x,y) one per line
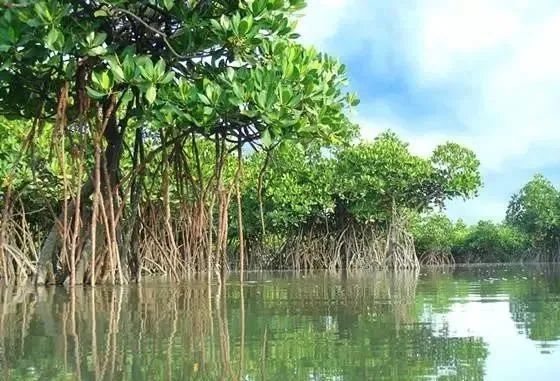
(535,304)
(314,327)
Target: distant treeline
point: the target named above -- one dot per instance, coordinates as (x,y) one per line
(530,231)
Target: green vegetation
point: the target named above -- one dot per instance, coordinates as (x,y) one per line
(439,240)
(145,107)
(194,137)
(189,138)
(535,211)
(185,137)
(349,208)
(530,231)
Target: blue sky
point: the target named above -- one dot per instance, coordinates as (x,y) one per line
(483,73)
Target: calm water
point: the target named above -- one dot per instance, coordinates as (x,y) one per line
(486,323)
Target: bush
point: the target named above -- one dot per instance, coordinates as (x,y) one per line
(484,242)
(490,242)
(433,234)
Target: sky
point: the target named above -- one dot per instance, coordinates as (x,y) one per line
(483,73)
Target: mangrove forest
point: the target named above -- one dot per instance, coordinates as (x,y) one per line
(192,190)
(199,137)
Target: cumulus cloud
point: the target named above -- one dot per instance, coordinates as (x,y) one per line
(322,20)
(482,73)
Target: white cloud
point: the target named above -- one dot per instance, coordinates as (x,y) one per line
(452,33)
(321,20)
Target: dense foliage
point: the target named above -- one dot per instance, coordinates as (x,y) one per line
(365,180)
(144,106)
(372,178)
(183,137)
(485,241)
(535,210)
(348,200)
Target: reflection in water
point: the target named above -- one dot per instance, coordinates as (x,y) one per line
(535,306)
(277,326)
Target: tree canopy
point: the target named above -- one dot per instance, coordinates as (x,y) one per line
(137,98)
(535,210)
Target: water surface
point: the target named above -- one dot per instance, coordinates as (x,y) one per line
(483,323)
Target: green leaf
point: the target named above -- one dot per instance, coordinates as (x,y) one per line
(97,51)
(159,70)
(235,20)
(99,38)
(168,4)
(234,101)
(146,68)
(230,73)
(129,67)
(151,94)
(100,13)
(204,99)
(261,99)
(118,73)
(215,25)
(258,6)
(168,77)
(224,22)
(43,12)
(54,39)
(243,27)
(94,93)
(353,99)
(266,138)
(96,78)
(105,81)
(296,100)
(237,91)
